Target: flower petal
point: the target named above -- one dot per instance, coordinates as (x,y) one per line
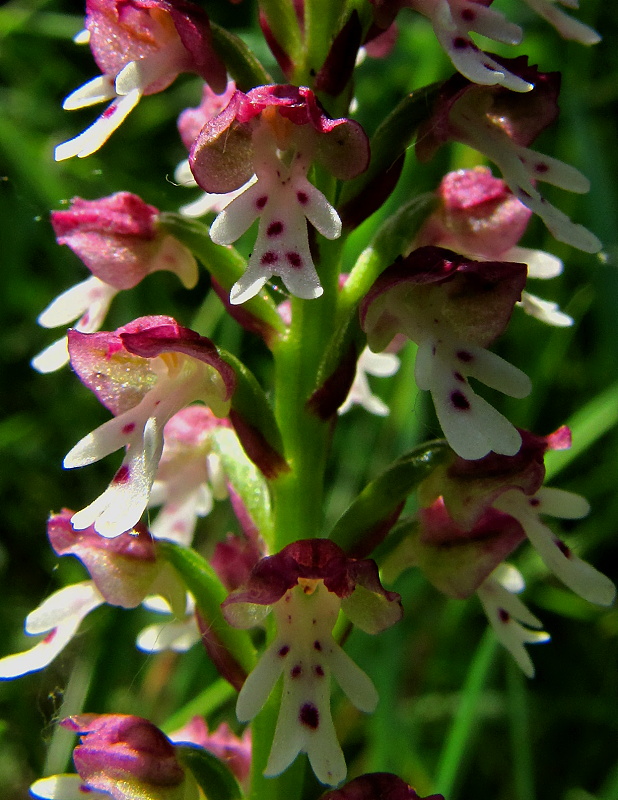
(65,787)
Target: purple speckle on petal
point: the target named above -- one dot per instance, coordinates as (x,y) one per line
(534,501)
(540,167)
(523,193)
(460,401)
(128,428)
(275,228)
(319,671)
(294,260)
(460,43)
(108,111)
(296,671)
(261,202)
(84,789)
(123,475)
(459,377)
(468,15)
(566,551)
(317,646)
(50,636)
(309,716)
(284,650)
(503,615)
(302,198)
(269,257)
(464,355)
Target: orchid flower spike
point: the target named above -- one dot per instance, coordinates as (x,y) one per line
(120,241)
(502,125)
(453,308)
(478,216)
(121,757)
(143,373)
(140,46)
(276,133)
(305,585)
(123,571)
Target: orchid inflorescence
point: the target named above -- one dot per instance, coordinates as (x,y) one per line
(196,428)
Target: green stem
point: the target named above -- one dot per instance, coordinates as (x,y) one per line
(298,494)
(520,733)
(464,724)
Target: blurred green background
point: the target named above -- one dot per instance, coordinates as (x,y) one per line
(455,715)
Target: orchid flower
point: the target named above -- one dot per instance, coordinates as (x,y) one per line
(380,365)
(144,372)
(492,505)
(474,514)
(123,571)
(478,216)
(514,625)
(140,46)
(190,475)
(306,585)
(121,757)
(275,133)
(502,125)
(177,634)
(453,307)
(453,21)
(119,239)
(235,751)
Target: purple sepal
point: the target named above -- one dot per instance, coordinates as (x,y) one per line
(233,560)
(476,297)
(376,786)
(234,751)
(123,569)
(470,487)
(222,158)
(522,115)
(320,560)
(477,214)
(173,338)
(457,560)
(118,378)
(125,30)
(118,749)
(192,120)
